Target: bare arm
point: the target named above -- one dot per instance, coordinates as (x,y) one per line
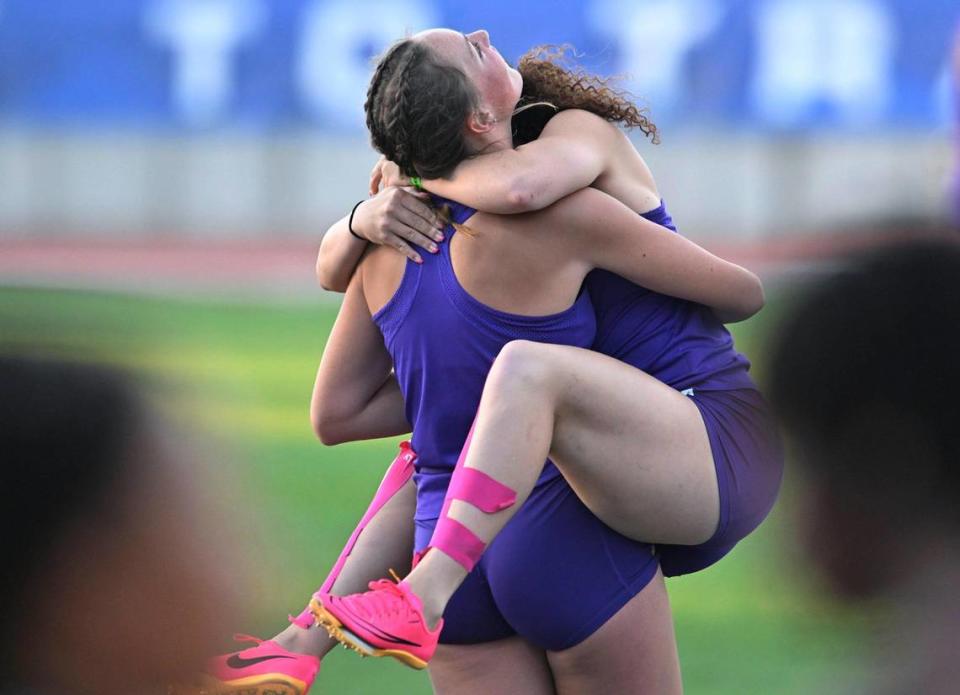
(396,217)
(355,395)
(570,154)
(610,235)
(338,256)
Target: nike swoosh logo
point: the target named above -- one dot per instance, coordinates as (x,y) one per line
(237,661)
(382,634)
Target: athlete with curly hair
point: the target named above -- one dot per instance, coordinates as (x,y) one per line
(681,453)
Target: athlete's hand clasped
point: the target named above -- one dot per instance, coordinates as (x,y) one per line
(385,174)
(399,217)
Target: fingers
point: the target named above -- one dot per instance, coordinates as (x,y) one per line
(404,248)
(405,221)
(392,176)
(414,229)
(376,175)
(417,238)
(422,218)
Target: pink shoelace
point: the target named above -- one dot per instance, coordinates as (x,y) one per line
(389,598)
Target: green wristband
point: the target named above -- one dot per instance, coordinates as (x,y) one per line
(416,182)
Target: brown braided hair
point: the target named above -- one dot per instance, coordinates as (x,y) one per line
(416,106)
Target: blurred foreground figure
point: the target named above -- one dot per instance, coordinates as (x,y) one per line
(109,584)
(866,374)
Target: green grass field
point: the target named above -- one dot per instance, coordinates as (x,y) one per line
(241,375)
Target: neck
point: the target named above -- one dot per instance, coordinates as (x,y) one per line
(499,137)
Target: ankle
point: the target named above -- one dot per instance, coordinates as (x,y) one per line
(313,640)
(434,581)
(431,606)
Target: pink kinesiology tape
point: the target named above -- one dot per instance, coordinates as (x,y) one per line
(304,620)
(457,541)
(397,475)
(400,471)
(479,489)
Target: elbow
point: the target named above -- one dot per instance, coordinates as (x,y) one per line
(519,200)
(754,298)
(747,302)
(328,429)
(759,298)
(331,285)
(328,432)
(521,196)
(330,280)
(330,436)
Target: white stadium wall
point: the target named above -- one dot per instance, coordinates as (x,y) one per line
(233,185)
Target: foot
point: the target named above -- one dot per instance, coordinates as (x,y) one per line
(264,669)
(385,621)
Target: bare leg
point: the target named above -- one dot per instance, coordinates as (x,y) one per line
(386,543)
(634,652)
(635,451)
(510,665)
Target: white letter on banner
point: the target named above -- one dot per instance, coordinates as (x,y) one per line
(815,53)
(653,39)
(339,38)
(203,34)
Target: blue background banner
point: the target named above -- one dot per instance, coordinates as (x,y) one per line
(777,65)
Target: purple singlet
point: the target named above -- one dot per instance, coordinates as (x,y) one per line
(443,343)
(680,343)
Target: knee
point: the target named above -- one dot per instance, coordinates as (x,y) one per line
(524,366)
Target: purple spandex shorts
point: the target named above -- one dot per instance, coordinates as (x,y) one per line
(553,575)
(749,460)
(556,573)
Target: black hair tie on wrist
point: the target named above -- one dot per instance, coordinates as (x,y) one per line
(350,222)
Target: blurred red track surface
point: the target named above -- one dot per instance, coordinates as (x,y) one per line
(284,267)
(275,269)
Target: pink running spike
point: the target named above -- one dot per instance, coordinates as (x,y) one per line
(264,668)
(385,621)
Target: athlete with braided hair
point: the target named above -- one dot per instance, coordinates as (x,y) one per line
(684,455)
(649,462)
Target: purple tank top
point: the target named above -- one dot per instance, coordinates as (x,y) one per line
(681,343)
(443,342)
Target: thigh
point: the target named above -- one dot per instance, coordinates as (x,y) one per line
(635,450)
(510,665)
(634,652)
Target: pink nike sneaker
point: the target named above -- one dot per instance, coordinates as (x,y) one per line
(385,621)
(264,669)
